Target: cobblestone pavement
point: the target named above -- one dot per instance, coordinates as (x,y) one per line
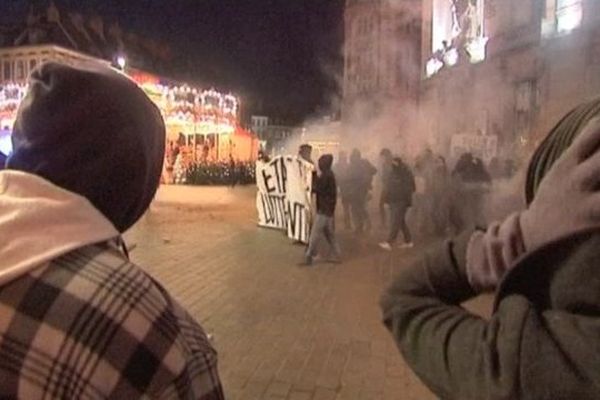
(282,331)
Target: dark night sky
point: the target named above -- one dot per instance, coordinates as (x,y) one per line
(276,53)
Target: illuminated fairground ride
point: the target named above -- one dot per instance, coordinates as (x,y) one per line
(203,124)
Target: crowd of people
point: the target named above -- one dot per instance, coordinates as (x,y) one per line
(79,320)
(440,201)
(425,198)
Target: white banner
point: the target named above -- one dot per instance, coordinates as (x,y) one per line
(283,200)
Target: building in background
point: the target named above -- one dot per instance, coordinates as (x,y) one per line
(272,134)
(494,75)
(203,123)
(520,66)
(90,35)
(382,56)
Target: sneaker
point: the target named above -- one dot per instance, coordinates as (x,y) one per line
(408,245)
(333,260)
(385,246)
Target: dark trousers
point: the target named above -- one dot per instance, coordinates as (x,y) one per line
(323,228)
(398,222)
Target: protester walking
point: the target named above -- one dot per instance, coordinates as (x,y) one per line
(443,199)
(541,341)
(341,174)
(360,177)
(472,182)
(400,188)
(325,188)
(78,320)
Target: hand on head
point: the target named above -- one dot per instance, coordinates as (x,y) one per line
(567,200)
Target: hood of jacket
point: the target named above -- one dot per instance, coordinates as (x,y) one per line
(325,162)
(92,131)
(40,221)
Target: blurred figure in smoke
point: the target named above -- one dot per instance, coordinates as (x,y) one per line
(341,173)
(542,263)
(324,225)
(471,169)
(424,162)
(386,170)
(424,171)
(360,178)
(473,181)
(305,152)
(442,197)
(400,187)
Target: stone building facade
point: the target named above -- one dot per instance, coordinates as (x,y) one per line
(382,56)
(541,59)
(496,75)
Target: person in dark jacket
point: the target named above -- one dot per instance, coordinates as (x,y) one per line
(341,173)
(400,188)
(325,188)
(386,170)
(360,177)
(472,182)
(542,341)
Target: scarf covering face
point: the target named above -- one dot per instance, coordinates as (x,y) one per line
(557,141)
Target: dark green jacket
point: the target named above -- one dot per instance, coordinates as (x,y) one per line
(542,341)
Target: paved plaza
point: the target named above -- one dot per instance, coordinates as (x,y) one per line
(282,331)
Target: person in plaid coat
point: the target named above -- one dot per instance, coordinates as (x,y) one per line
(78,320)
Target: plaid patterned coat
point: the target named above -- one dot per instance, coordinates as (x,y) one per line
(91,325)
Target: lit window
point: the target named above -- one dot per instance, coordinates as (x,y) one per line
(569,14)
(457,26)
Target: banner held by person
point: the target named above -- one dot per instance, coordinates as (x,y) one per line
(283,200)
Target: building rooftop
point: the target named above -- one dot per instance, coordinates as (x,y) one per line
(87,34)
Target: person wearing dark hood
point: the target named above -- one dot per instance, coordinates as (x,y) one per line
(78,320)
(542,341)
(325,188)
(471,181)
(400,188)
(360,177)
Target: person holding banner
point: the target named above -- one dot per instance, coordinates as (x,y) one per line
(325,188)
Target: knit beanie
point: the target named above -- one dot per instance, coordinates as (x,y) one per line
(557,141)
(92,131)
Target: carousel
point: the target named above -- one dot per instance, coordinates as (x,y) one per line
(203,126)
